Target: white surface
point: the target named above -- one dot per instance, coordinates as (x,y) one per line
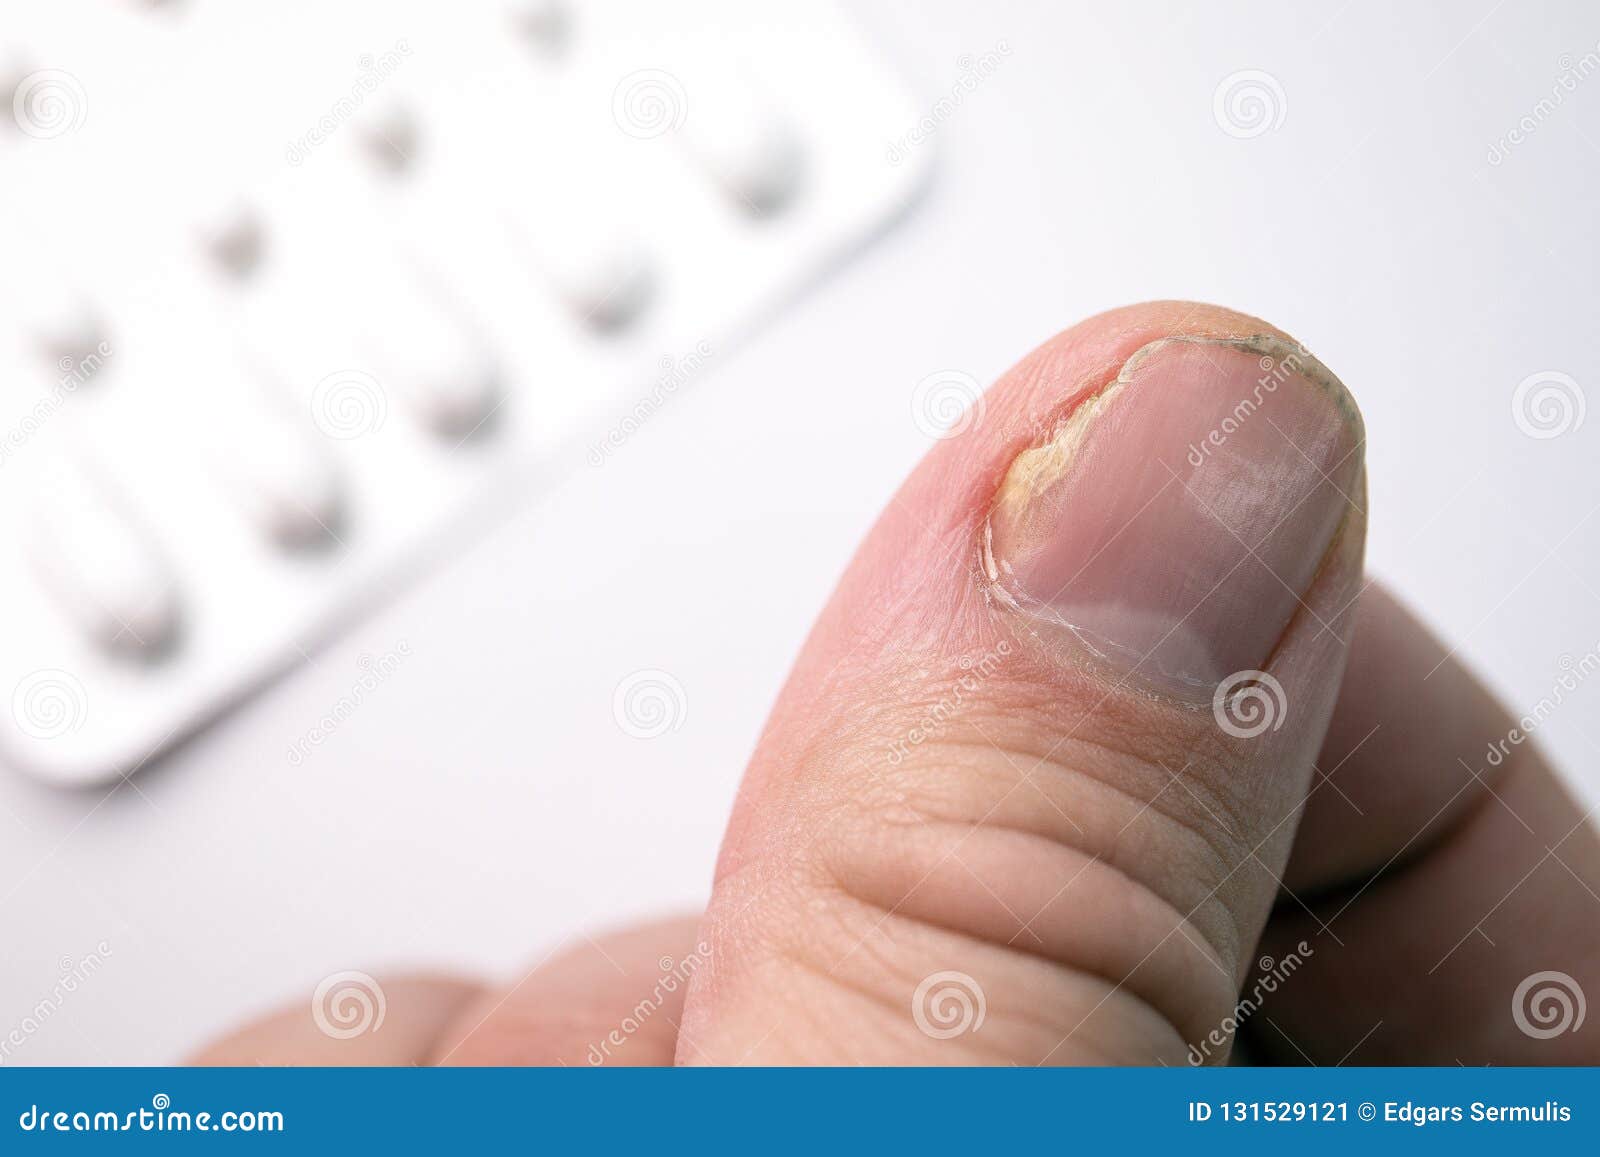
(482,805)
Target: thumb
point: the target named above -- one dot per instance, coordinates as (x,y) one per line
(1029,791)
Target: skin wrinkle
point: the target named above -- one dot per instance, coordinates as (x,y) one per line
(1192,830)
(889,923)
(1122,984)
(860,862)
(1221,946)
(1110,863)
(1138,979)
(1093,752)
(1113,728)
(888,715)
(1128,740)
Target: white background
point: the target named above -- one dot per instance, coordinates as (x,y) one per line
(483,805)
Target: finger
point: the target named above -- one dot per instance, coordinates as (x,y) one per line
(395,1022)
(995,815)
(611,1000)
(1394,773)
(1460,882)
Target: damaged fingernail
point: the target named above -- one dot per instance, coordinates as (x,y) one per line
(1173,522)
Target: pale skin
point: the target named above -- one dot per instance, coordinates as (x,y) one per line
(1086,847)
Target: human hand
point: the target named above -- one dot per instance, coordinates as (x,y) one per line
(1101,728)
